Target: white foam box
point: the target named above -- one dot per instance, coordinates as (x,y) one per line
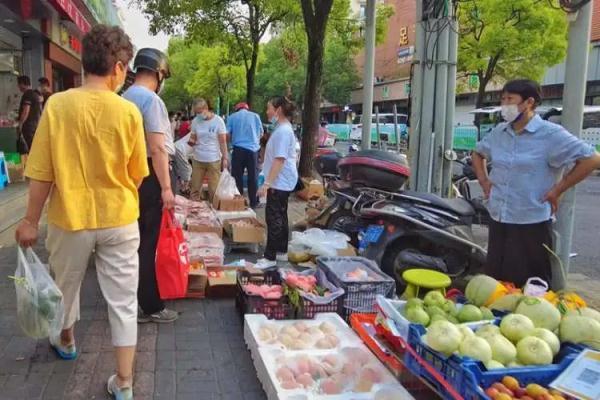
(223,216)
(254,322)
(273,359)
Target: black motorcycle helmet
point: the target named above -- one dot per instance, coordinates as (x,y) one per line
(152,60)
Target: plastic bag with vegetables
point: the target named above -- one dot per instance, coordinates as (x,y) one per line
(40,308)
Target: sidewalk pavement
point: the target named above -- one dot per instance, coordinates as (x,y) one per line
(201,356)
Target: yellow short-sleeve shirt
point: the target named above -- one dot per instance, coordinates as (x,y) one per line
(90,145)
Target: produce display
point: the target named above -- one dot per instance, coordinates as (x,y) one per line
(510,388)
(270,292)
(435,307)
(206,248)
(353,370)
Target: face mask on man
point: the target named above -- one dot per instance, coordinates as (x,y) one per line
(511,113)
(161,87)
(274,120)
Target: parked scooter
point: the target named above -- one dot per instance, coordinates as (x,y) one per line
(403,229)
(465,185)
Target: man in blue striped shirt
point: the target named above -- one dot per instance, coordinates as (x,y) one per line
(245,129)
(525,184)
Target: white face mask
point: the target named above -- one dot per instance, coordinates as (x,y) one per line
(161,87)
(510,112)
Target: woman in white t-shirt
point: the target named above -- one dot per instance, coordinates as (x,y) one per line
(281,175)
(209,140)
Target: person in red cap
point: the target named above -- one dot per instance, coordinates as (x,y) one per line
(245,129)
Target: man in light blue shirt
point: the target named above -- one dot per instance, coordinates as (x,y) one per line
(528,156)
(245,129)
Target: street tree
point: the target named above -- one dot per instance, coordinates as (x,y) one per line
(316,15)
(239,25)
(182,55)
(507,39)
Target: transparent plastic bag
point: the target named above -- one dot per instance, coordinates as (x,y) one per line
(227,188)
(323,243)
(40,308)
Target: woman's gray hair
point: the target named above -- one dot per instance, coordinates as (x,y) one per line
(202,103)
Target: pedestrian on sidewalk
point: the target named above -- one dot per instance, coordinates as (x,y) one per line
(89,158)
(44,89)
(209,140)
(157,191)
(30,111)
(245,130)
(281,176)
(528,155)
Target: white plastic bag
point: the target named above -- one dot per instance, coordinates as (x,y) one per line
(323,243)
(535,287)
(227,188)
(40,308)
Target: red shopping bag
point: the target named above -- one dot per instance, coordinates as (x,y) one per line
(172,264)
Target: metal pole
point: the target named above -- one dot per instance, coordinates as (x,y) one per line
(377,133)
(451,104)
(441,99)
(416,92)
(572,118)
(427,112)
(368,74)
(396,130)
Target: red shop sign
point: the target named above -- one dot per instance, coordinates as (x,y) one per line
(69,8)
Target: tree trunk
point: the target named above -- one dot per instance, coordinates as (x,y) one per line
(315,22)
(481,91)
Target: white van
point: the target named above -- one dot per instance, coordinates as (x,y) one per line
(386,127)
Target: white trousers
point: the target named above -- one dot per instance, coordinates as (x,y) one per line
(117,267)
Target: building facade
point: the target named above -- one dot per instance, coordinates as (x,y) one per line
(42,38)
(393,60)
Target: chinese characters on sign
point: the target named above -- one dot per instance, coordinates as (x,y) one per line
(69,8)
(403,36)
(68,40)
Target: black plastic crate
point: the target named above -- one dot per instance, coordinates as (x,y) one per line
(360,296)
(272,309)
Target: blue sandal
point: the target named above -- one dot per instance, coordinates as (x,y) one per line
(64,352)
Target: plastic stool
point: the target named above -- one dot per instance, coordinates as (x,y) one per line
(3,172)
(426,279)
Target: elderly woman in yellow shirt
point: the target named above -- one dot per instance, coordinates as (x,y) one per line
(89,157)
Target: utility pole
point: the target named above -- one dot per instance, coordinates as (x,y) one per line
(433,100)
(572,119)
(369,72)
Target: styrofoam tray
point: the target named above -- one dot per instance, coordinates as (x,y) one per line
(227,215)
(254,322)
(271,361)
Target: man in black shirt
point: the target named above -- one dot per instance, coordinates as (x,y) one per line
(30,111)
(44,89)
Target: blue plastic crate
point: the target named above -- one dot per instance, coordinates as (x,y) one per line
(459,371)
(477,380)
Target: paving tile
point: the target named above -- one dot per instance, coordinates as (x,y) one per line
(145,361)
(165,360)
(165,384)
(143,384)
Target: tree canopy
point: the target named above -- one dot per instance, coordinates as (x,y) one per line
(502,40)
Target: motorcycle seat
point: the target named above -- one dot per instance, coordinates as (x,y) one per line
(458,206)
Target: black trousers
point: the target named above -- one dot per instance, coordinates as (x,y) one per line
(149,223)
(516,252)
(276,217)
(244,159)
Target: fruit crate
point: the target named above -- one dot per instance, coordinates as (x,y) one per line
(360,296)
(458,371)
(309,309)
(247,304)
(477,379)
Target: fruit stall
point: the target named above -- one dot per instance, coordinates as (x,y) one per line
(328,324)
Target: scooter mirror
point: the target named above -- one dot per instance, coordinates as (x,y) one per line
(450,155)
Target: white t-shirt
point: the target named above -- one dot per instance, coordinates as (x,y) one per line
(207,148)
(282,144)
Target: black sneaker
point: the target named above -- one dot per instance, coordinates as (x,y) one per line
(162,317)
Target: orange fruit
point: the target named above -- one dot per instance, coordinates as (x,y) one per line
(491,392)
(535,390)
(502,396)
(510,382)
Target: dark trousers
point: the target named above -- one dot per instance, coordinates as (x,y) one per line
(243,159)
(149,223)
(516,252)
(276,217)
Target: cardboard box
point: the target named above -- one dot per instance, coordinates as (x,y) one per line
(222,282)
(313,189)
(16,173)
(349,251)
(206,229)
(197,282)
(245,234)
(238,203)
